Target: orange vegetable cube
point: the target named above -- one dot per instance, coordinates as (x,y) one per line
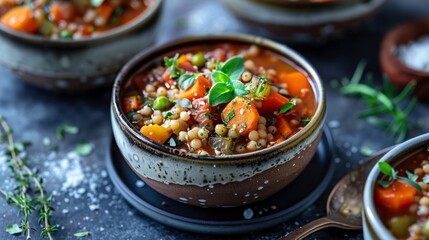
(243,114)
(156,133)
(20,19)
(283,127)
(273,102)
(397,196)
(297,83)
(198,90)
(131,103)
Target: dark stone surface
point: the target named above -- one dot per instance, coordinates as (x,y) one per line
(35,113)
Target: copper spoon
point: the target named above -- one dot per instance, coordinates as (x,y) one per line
(344,205)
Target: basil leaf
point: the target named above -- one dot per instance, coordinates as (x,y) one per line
(219,76)
(288,106)
(233,67)
(96,3)
(221,93)
(184,102)
(385,168)
(239,88)
(171,62)
(187,80)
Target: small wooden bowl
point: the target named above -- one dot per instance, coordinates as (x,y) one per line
(398,72)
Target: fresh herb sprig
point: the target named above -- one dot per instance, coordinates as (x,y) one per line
(172,64)
(384,109)
(227,84)
(25,178)
(389,171)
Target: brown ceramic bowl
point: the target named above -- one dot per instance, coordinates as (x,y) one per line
(80,64)
(399,73)
(216,181)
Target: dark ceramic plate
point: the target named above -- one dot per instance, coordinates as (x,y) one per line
(286,204)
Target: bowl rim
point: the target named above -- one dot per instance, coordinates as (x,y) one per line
(135,64)
(394,155)
(121,30)
(389,43)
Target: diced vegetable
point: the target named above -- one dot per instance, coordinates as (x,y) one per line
(396,197)
(104,11)
(198,59)
(259,88)
(161,103)
(131,103)
(241,113)
(198,90)
(297,83)
(156,132)
(20,19)
(273,102)
(399,225)
(283,127)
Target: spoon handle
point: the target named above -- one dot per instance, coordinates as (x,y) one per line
(312,227)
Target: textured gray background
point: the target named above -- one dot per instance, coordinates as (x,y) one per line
(35,113)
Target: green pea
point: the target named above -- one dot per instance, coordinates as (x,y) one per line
(66,34)
(198,59)
(161,103)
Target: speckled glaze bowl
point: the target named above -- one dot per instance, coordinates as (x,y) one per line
(81,64)
(398,72)
(216,181)
(373,226)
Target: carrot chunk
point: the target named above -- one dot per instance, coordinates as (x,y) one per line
(20,19)
(198,90)
(131,103)
(104,11)
(397,196)
(283,127)
(297,83)
(62,11)
(243,114)
(156,133)
(273,102)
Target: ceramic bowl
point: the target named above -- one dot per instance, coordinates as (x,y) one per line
(81,64)
(372,224)
(303,24)
(398,72)
(216,181)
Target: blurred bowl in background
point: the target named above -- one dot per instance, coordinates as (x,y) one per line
(77,65)
(399,72)
(303,24)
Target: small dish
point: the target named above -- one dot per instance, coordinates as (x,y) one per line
(398,72)
(216,181)
(81,64)
(373,225)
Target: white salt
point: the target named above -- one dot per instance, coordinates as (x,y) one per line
(415,54)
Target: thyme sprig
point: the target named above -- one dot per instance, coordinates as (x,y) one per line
(25,178)
(385,108)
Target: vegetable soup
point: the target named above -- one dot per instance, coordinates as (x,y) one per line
(402,197)
(221,99)
(73,19)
